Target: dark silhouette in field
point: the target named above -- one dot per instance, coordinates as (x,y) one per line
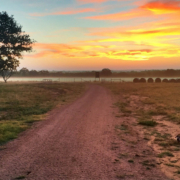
(178,138)
(142,80)
(157,80)
(97,75)
(135,80)
(13,41)
(150,80)
(165,80)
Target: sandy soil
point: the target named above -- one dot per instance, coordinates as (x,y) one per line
(81,141)
(163,133)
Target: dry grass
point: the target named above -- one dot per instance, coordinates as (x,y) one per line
(165,98)
(23,104)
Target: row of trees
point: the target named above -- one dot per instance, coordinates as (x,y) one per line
(33,73)
(103,73)
(149,73)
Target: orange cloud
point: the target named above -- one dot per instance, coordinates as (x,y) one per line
(163,7)
(158,36)
(149,9)
(57,51)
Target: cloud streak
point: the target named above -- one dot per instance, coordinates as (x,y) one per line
(67,12)
(91,1)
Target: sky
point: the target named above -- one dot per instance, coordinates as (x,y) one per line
(96,34)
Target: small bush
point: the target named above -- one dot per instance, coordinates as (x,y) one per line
(130,161)
(20,177)
(147,163)
(147,122)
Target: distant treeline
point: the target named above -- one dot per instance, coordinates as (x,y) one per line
(24,72)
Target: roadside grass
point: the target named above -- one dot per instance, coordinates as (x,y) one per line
(123,107)
(26,103)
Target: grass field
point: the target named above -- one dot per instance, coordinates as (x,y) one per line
(25,103)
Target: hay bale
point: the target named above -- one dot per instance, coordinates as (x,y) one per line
(157,80)
(150,80)
(165,80)
(142,80)
(172,81)
(135,80)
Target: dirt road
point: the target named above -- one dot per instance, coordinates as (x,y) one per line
(75,142)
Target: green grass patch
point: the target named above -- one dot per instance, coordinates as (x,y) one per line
(10,129)
(166,153)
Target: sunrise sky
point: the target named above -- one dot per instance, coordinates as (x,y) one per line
(96,34)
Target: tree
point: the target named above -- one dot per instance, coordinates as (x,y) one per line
(33,73)
(24,71)
(44,73)
(13,41)
(106,72)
